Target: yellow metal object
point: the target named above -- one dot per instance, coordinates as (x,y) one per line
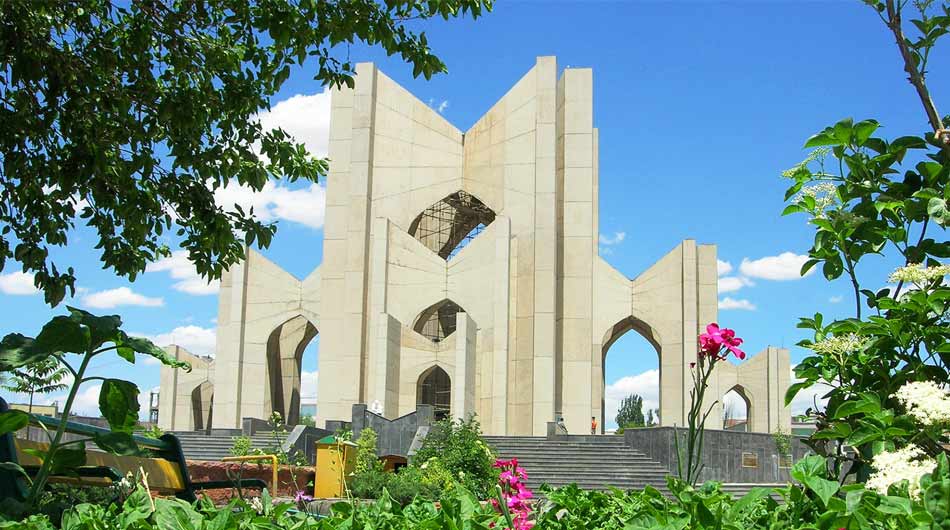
(164,475)
(249,458)
(336,460)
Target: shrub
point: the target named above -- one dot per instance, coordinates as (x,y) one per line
(459,448)
(241,446)
(366,456)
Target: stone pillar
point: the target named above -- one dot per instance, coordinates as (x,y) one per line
(463,381)
(502,284)
(386,365)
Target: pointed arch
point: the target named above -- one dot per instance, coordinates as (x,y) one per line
(648,334)
(735,420)
(434,387)
(285,347)
(202,405)
(438,321)
(448,225)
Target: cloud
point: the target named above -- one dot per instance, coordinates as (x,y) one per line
(195,339)
(615,239)
(730,284)
(180,268)
(735,405)
(723,267)
(306,206)
(86,402)
(728,303)
(120,296)
(836,299)
(306,117)
(785,266)
(440,106)
(308,387)
(18,283)
(645,385)
(144,395)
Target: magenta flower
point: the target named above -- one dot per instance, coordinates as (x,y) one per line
(716,342)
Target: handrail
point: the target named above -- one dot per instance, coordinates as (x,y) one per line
(91,430)
(273,461)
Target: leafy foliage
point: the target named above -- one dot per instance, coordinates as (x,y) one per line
(630,413)
(130,115)
(89,336)
(41,377)
(457,446)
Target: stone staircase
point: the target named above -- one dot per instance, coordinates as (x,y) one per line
(217,445)
(591,462)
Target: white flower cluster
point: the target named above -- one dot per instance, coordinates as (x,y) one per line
(818,154)
(840,344)
(916,273)
(824,194)
(894,467)
(928,403)
(257,505)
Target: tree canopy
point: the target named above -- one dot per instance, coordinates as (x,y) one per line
(630,413)
(127,116)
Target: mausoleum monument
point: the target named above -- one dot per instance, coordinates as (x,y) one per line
(461,270)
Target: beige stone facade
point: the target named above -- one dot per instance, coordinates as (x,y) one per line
(462,270)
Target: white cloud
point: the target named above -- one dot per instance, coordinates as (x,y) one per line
(195,339)
(306,206)
(144,395)
(615,239)
(120,296)
(736,407)
(440,106)
(728,303)
(645,385)
(180,268)
(306,117)
(785,266)
(728,284)
(809,397)
(836,299)
(86,402)
(17,283)
(723,267)
(308,387)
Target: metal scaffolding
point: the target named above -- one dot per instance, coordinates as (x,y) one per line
(450,224)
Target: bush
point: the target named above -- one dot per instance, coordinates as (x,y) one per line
(241,446)
(458,448)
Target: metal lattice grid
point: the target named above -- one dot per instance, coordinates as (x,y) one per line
(438,321)
(435,388)
(449,225)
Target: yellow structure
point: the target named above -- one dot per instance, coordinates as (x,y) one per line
(336,460)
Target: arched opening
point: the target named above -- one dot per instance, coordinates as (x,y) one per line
(449,225)
(285,352)
(202,405)
(630,391)
(438,321)
(736,410)
(435,388)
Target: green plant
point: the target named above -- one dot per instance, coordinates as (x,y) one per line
(868,196)
(366,457)
(153,431)
(459,448)
(41,377)
(241,446)
(88,336)
(783,442)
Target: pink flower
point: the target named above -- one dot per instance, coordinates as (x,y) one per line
(716,339)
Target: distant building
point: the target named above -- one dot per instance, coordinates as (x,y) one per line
(42,410)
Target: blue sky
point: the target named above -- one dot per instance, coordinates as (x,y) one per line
(700,106)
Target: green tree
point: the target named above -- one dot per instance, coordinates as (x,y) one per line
(127,116)
(630,413)
(650,419)
(42,377)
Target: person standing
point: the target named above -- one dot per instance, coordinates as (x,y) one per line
(593,425)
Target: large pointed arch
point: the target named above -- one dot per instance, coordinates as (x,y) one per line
(736,420)
(448,225)
(285,347)
(434,387)
(650,338)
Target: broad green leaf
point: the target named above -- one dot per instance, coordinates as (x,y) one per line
(65,459)
(64,334)
(937,209)
(824,488)
(101,329)
(13,420)
(119,404)
(863,130)
(120,443)
(17,351)
(146,347)
(176,514)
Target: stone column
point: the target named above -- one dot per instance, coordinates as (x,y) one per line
(463,381)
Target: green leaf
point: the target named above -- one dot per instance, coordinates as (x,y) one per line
(863,130)
(14,468)
(891,504)
(146,347)
(823,138)
(937,209)
(13,420)
(119,404)
(101,329)
(120,443)
(794,389)
(176,514)
(824,488)
(17,351)
(66,459)
(64,334)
